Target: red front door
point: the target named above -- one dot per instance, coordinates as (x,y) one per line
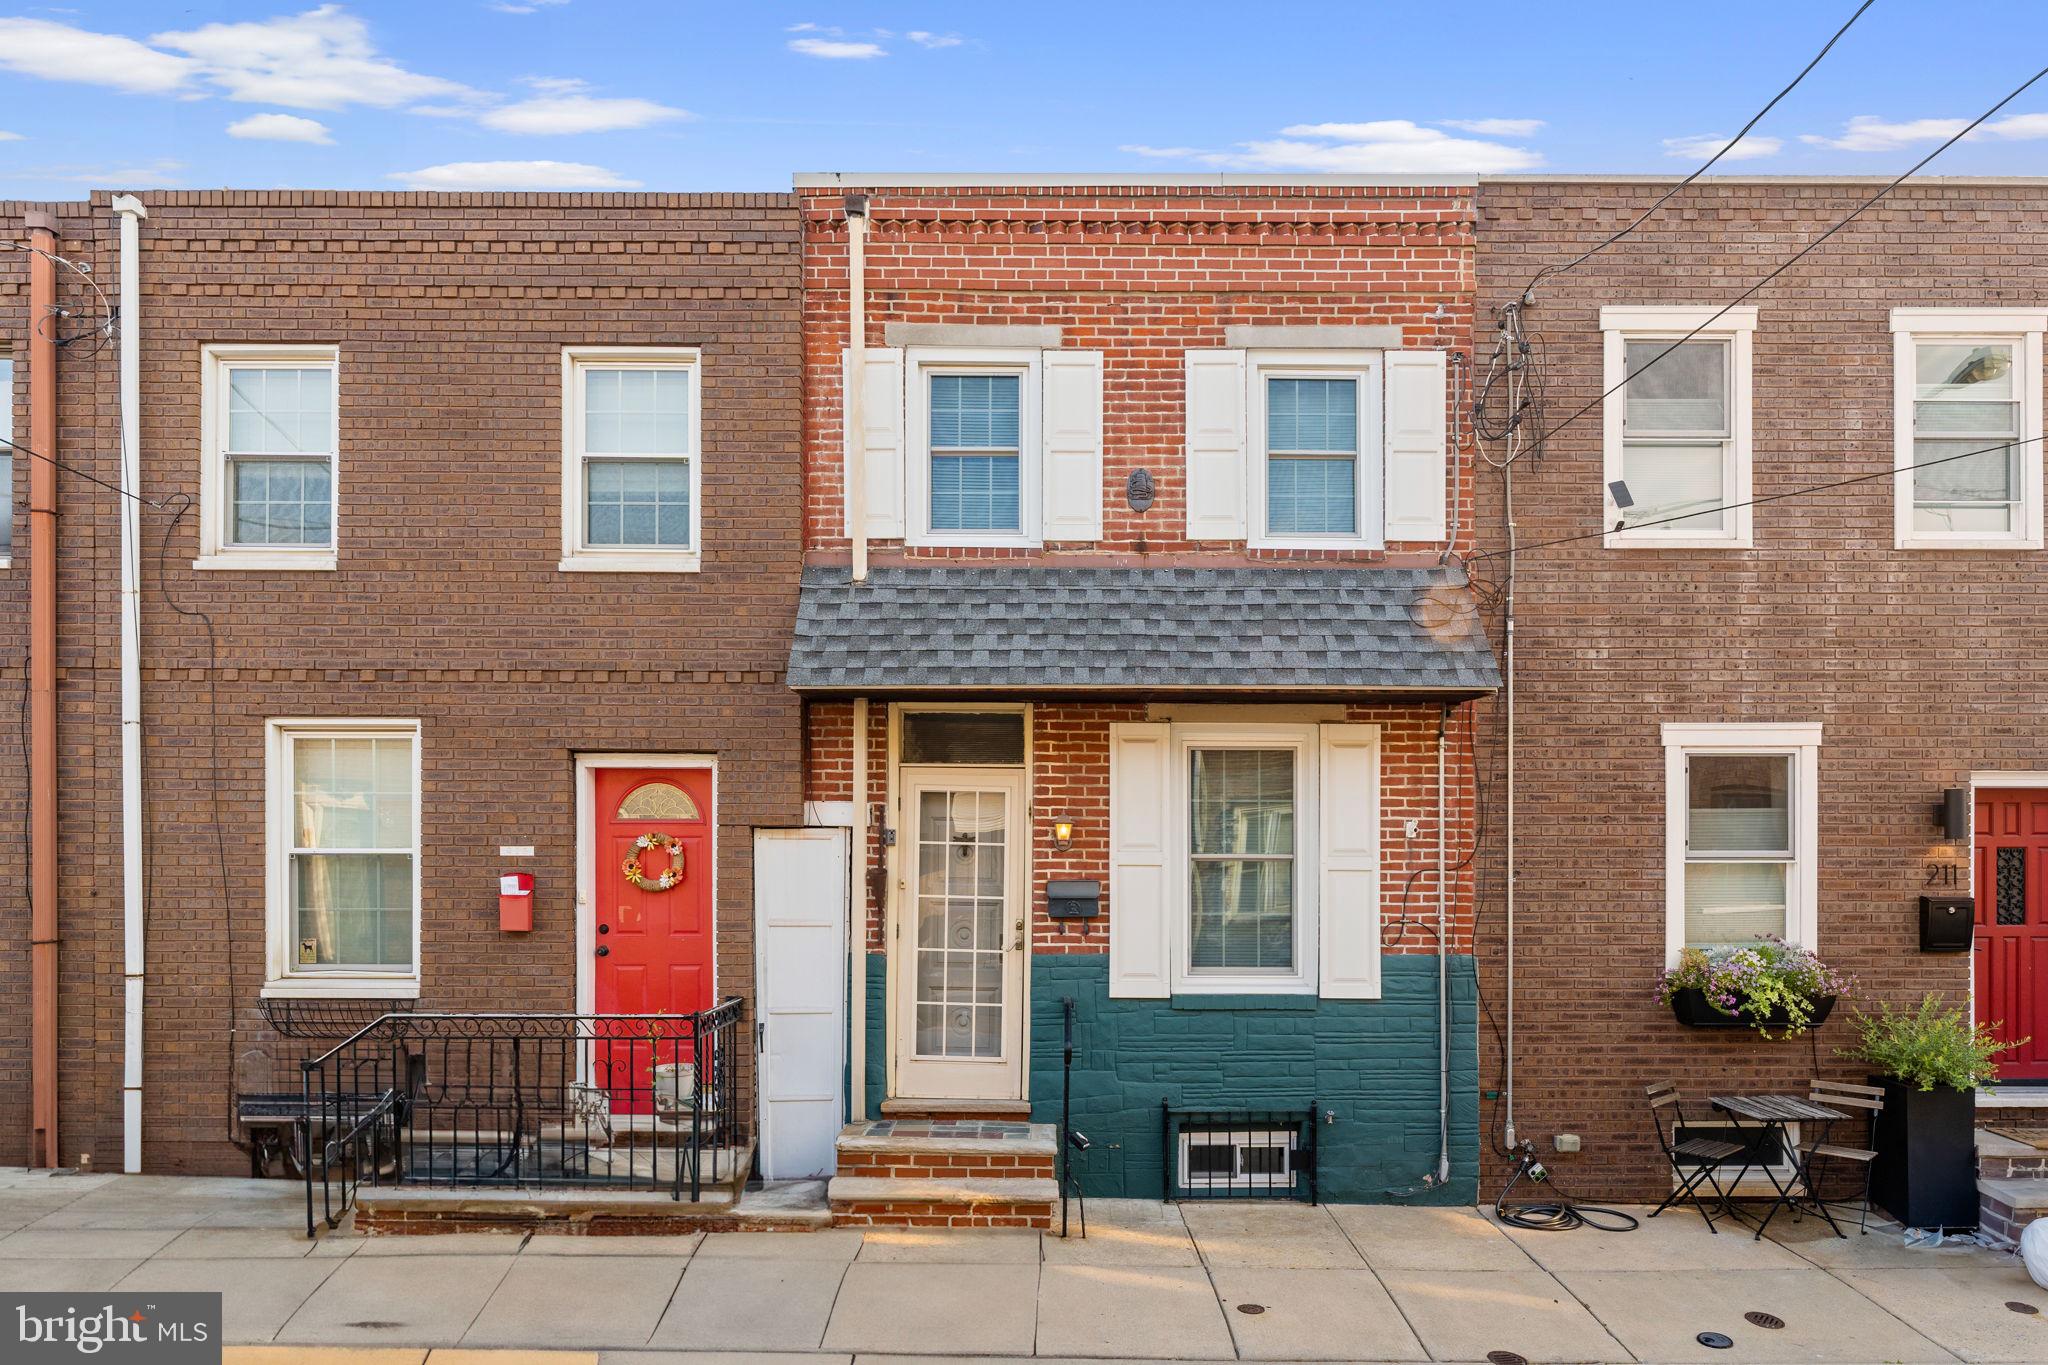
(2012,925)
(653,945)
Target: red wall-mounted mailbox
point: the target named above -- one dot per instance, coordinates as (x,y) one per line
(515,902)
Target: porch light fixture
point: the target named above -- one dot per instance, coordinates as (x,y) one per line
(1063,834)
(1952,814)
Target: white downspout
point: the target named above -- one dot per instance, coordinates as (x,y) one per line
(857,381)
(1443,989)
(132,912)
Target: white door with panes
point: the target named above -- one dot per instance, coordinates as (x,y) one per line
(959,933)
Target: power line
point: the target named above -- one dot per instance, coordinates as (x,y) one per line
(1756,502)
(1795,258)
(1726,148)
(76,472)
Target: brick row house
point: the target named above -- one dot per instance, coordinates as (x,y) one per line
(1131,660)
(1750,720)
(471,548)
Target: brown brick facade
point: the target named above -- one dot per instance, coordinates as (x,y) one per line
(447,607)
(1921,665)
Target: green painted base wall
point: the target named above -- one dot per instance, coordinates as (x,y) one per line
(1371,1063)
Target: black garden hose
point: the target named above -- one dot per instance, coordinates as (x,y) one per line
(1559,1215)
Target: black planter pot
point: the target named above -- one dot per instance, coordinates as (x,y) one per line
(1926,1170)
(1691,1008)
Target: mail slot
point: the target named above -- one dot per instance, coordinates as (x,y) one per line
(1073,900)
(1947,923)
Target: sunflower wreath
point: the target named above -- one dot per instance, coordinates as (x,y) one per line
(669,875)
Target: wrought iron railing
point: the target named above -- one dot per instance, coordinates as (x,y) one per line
(1239,1153)
(276,1036)
(647,1102)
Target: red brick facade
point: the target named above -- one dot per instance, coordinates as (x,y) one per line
(1922,666)
(447,607)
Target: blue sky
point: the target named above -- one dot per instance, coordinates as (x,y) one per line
(687,95)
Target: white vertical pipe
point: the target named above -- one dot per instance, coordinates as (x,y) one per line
(132,921)
(1443,990)
(857,381)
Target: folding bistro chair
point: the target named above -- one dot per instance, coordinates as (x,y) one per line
(1842,1095)
(1693,1160)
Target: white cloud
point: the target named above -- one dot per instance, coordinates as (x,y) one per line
(834,49)
(514,175)
(521,6)
(281,128)
(1382,146)
(563,106)
(321,59)
(6,136)
(1869,133)
(1702,148)
(1497,127)
(934,40)
(59,52)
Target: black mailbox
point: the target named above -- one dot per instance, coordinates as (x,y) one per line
(1073,900)
(1947,923)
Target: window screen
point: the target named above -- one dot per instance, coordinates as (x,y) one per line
(975,452)
(1738,846)
(1311,456)
(987,739)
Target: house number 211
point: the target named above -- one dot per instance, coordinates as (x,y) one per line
(1943,874)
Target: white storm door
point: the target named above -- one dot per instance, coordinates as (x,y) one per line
(800,889)
(959,940)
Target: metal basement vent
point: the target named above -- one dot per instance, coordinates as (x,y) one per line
(1243,1161)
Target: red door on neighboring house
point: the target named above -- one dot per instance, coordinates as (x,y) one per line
(653,944)
(2012,925)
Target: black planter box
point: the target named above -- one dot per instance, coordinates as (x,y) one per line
(1926,1170)
(1691,1008)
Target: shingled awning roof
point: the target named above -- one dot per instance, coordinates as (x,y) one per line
(1141,631)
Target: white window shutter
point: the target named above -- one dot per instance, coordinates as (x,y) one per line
(1140,936)
(1350,874)
(1216,455)
(1416,459)
(882,417)
(1073,445)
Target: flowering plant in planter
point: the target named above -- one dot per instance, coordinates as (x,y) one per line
(1765,984)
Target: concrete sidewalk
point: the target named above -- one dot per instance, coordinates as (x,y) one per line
(1188,1282)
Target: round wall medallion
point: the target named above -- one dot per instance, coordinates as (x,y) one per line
(1139,490)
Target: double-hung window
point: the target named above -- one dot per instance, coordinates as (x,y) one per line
(1242,856)
(974,471)
(1315,469)
(1968,423)
(272,439)
(1677,447)
(1741,827)
(631,467)
(344,857)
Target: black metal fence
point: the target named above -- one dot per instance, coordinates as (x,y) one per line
(1238,1153)
(622,1102)
(276,1037)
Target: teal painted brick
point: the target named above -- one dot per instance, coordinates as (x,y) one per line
(1371,1063)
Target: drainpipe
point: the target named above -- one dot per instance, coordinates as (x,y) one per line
(857,380)
(1443,989)
(857,926)
(133,921)
(42,688)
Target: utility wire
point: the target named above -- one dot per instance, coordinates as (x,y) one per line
(1726,148)
(1796,257)
(76,472)
(1756,502)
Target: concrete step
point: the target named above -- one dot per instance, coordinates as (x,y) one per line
(1015,1111)
(960,1202)
(2003,1158)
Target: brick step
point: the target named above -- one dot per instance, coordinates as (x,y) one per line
(2005,1207)
(903,1149)
(972,1202)
(2002,1158)
(1013,1111)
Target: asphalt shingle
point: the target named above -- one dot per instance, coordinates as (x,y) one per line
(1327,630)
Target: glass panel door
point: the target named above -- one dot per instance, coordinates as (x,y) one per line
(962,856)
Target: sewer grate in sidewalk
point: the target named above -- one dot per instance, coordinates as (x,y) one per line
(1254,1309)
(1505,1358)
(1768,1320)
(2018,1307)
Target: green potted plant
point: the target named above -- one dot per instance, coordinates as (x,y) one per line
(1764,984)
(1930,1062)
